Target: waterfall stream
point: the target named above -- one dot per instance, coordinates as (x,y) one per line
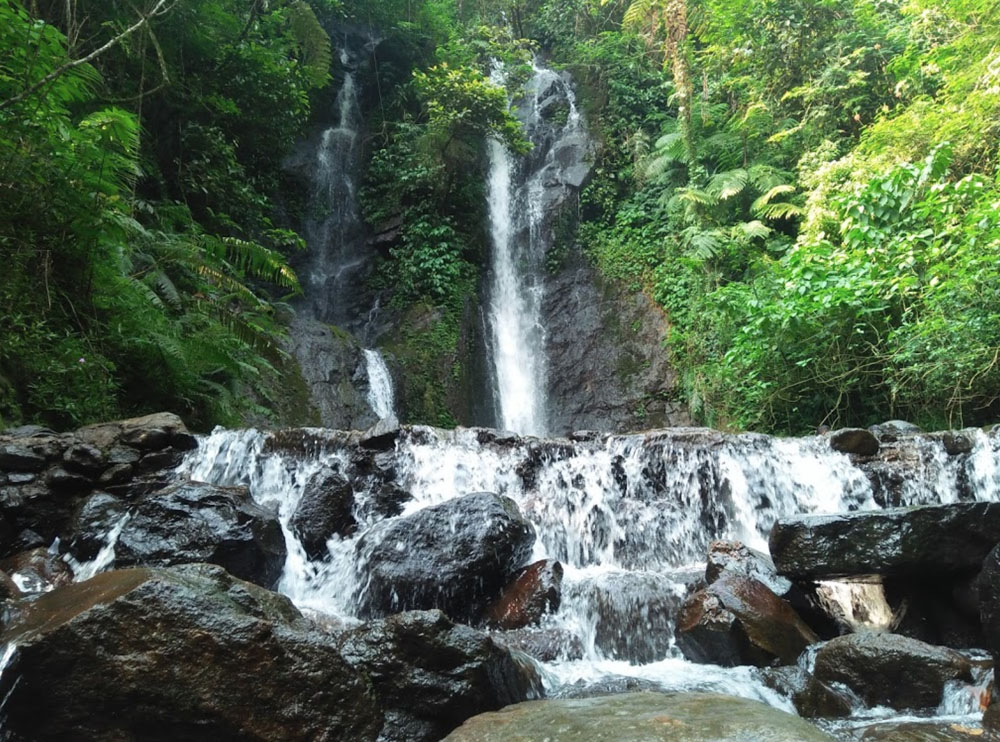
(380,394)
(520,207)
(630,518)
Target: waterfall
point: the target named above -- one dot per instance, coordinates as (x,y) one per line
(522,203)
(630,517)
(380,394)
(335,230)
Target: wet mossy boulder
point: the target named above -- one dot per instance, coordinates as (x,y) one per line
(187,653)
(640,717)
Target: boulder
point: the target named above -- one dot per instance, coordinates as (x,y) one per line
(456,556)
(737,557)
(162,655)
(21,457)
(854,440)
(326,509)
(534,591)
(891,670)
(382,435)
(640,717)
(431,674)
(185,523)
(919,542)
(737,620)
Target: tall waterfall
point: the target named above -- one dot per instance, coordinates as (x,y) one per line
(630,518)
(335,277)
(520,207)
(335,230)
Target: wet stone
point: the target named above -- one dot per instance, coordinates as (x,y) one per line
(21,458)
(84,458)
(66,481)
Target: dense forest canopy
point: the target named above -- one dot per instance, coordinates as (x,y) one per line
(809,188)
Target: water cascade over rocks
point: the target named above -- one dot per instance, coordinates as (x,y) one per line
(629,518)
(525,195)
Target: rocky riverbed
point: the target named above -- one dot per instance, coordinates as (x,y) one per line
(411,584)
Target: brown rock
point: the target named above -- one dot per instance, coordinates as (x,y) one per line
(534,591)
(737,620)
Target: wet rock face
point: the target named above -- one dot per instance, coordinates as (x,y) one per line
(164,655)
(921,541)
(456,556)
(326,509)
(185,523)
(534,591)
(607,367)
(989,606)
(737,620)
(544,645)
(36,570)
(44,476)
(431,674)
(812,698)
(891,670)
(640,717)
(633,612)
(738,558)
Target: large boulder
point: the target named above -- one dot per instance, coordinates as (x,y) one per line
(187,653)
(922,541)
(534,591)
(326,509)
(639,717)
(989,608)
(891,670)
(431,674)
(185,523)
(738,620)
(854,440)
(456,556)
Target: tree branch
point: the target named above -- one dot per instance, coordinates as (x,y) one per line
(157,9)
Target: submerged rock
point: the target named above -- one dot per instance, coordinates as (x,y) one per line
(534,591)
(640,717)
(542,644)
(185,653)
(431,674)
(917,541)
(456,556)
(737,620)
(925,731)
(186,523)
(37,570)
(891,670)
(812,698)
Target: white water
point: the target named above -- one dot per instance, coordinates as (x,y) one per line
(380,395)
(515,198)
(630,517)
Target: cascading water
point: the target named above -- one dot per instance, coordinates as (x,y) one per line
(520,206)
(630,518)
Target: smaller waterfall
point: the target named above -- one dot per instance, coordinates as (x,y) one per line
(380,394)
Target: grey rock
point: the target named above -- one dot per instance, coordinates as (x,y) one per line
(20,457)
(854,440)
(922,541)
(891,670)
